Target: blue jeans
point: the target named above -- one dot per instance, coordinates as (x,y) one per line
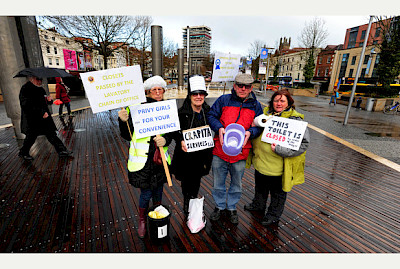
(333,99)
(220,169)
(147,194)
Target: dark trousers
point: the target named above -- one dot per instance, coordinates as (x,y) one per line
(190,187)
(50,135)
(270,185)
(60,109)
(147,194)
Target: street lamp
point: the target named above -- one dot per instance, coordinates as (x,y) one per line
(353,90)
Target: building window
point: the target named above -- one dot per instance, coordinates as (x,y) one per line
(353,60)
(327,72)
(352,37)
(67,42)
(55,50)
(299,66)
(53,38)
(362,35)
(363,72)
(366,58)
(48,49)
(328,60)
(46,37)
(377,31)
(320,60)
(318,73)
(50,61)
(57,61)
(351,73)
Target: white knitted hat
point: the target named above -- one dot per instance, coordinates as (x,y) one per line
(155,81)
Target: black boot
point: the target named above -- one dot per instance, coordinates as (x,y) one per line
(258,203)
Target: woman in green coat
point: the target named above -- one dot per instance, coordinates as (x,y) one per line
(277,168)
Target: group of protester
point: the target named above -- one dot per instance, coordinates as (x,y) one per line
(276,167)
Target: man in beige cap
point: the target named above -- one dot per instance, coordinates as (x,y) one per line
(241,107)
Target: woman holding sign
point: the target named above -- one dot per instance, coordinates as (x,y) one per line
(277,168)
(190,167)
(144,170)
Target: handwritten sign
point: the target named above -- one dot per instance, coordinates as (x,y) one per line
(155,118)
(285,132)
(114,88)
(198,138)
(226,67)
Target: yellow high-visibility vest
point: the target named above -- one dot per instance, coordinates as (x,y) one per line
(138,151)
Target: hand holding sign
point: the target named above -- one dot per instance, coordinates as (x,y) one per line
(285,132)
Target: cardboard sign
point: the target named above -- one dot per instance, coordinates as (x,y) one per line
(198,138)
(114,88)
(285,132)
(155,118)
(226,67)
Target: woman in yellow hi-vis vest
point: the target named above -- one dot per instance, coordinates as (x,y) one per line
(143,172)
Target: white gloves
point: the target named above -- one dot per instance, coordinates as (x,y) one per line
(160,141)
(123,115)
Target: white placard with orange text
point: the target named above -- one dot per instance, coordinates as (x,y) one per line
(114,88)
(285,132)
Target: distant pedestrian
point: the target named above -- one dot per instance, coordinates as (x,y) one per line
(62,91)
(359,101)
(334,95)
(36,118)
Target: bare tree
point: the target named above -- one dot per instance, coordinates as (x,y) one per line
(255,48)
(170,56)
(107,33)
(143,42)
(313,35)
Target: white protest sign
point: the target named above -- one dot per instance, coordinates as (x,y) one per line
(226,67)
(113,88)
(198,138)
(285,132)
(155,118)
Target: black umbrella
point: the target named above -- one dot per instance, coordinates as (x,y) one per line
(42,72)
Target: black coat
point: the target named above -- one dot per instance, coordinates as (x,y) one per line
(33,106)
(189,164)
(151,175)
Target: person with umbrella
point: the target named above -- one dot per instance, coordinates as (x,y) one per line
(36,119)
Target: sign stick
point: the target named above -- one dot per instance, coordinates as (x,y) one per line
(165,165)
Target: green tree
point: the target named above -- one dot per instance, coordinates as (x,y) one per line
(389,57)
(309,67)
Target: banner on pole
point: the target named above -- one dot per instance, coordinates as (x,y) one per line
(198,138)
(114,88)
(285,132)
(226,67)
(70,60)
(155,118)
(262,67)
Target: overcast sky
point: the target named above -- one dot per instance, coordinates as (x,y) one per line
(235,24)
(234,34)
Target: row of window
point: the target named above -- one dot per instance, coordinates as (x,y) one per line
(54,39)
(328,60)
(51,61)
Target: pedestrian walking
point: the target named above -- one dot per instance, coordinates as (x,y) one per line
(144,172)
(359,101)
(334,96)
(190,167)
(62,91)
(277,168)
(241,107)
(36,118)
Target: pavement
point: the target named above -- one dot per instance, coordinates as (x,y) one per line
(374,134)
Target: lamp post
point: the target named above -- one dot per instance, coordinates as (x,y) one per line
(353,90)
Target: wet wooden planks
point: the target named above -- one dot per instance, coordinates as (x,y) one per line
(85,204)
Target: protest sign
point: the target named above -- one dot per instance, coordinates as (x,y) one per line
(114,88)
(285,132)
(198,138)
(155,118)
(226,67)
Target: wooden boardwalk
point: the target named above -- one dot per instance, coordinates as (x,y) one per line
(349,202)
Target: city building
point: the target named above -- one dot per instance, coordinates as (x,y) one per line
(324,65)
(199,43)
